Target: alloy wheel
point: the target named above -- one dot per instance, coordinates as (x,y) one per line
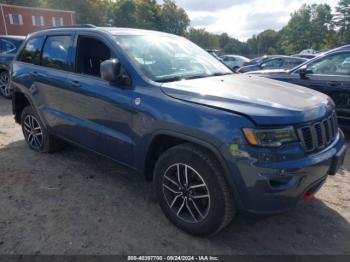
(186,193)
(4,84)
(33,132)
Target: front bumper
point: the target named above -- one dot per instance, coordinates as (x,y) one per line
(274,187)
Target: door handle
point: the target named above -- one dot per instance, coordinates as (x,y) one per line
(35,74)
(75,84)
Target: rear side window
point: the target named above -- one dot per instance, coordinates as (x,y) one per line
(56,52)
(31,51)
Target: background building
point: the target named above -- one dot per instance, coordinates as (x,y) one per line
(20,20)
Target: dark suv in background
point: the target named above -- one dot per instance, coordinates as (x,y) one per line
(8,48)
(279,62)
(328,73)
(212,142)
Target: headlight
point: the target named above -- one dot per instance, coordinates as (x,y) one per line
(270,137)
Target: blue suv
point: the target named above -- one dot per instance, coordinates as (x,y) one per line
(8,48)
(212,142)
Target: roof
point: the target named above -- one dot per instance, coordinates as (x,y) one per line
(37,8)
(344,47)
(110,30)
(15,37)
(132,31)
(235,56)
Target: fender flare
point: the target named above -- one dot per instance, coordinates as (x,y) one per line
(208,146)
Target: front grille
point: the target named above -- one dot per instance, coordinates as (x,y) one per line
(320,134)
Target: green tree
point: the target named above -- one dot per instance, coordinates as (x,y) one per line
(307,28)
(266,42)
(86,11)
(203,38)
(342,20)
(173,19)
(123,13)
(147,14)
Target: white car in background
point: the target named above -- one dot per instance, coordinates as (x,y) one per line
(234,61)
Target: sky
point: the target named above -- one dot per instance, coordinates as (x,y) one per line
(242,18)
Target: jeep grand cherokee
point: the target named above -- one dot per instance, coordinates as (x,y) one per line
(212,142)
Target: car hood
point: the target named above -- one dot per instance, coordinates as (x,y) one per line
(265,101)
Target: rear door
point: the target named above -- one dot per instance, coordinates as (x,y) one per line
(51,78)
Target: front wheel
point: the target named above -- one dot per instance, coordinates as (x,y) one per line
(192,191)
(4,84)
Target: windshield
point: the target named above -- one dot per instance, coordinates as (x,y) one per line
(170,58)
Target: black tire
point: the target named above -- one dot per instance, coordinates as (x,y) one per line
(4,84)
(45,142)
(217,209)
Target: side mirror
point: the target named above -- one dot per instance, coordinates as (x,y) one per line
(112,71)
(304,71)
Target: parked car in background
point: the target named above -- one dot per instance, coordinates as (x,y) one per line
(328,73)
(260,59)
(234,61)
(212,142)
(8,48)
(306,56)
(279,62)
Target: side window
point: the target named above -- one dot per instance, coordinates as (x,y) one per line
(275,63)
(7,47)
(91,52)
(56,52)
(31,51)
(338,64)
(295,62)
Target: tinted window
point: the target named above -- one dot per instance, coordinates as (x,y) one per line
(338,64)
(292,62)
(31,51)
(229,59)
(56,51)
(274,63)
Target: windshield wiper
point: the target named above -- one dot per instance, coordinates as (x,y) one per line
(170,79)
(179,78)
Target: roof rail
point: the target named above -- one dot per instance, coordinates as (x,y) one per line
(74,26)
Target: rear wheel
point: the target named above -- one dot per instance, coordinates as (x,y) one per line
(35,133)
(192,191)
(4,84)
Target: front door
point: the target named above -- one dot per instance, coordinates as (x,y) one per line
(99,113)
(330,75)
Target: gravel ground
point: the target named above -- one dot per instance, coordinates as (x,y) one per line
(74,202)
